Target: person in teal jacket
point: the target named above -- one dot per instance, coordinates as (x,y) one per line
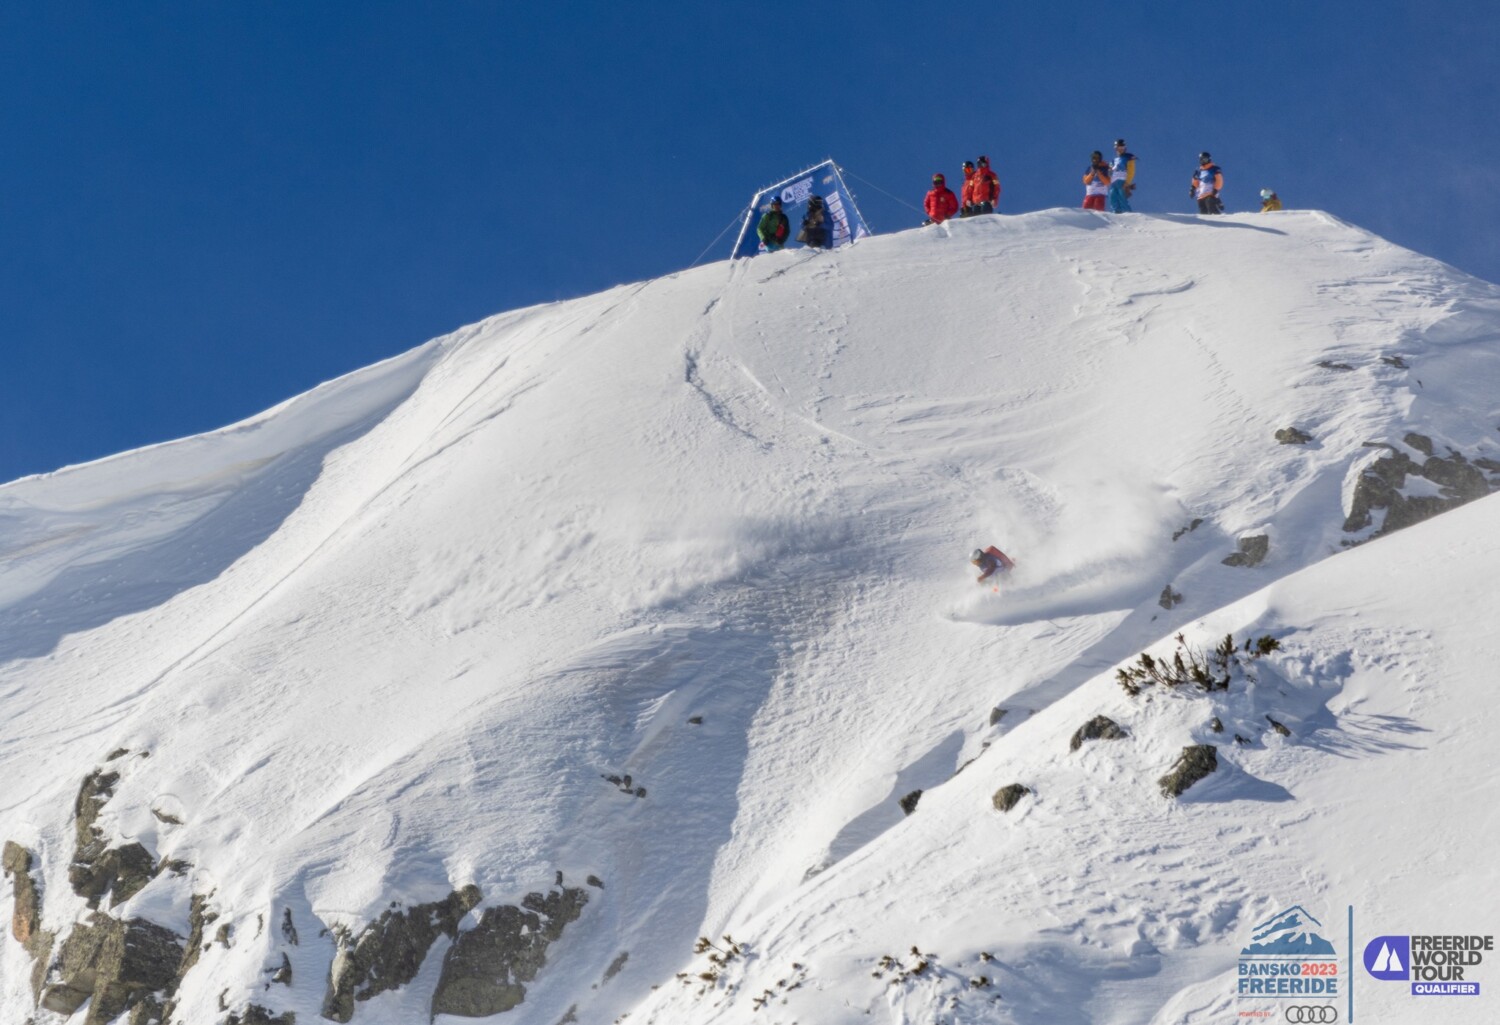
(774,227)
(1121,179)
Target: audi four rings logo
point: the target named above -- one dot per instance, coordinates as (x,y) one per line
(1320,1014)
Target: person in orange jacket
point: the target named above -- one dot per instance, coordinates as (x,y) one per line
(985,190)
(941,203)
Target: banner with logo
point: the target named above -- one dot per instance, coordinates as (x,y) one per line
(844,223)
(1290,970)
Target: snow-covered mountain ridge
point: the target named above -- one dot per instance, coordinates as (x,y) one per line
(605,625)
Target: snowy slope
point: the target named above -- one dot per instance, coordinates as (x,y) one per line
(388,639)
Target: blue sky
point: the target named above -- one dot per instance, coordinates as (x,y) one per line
(210,207)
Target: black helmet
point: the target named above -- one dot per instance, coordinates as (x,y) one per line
(1119,142)
(776,200)
(1096,155)
(1203,157)
(968,163)
(978,554)
(985,161)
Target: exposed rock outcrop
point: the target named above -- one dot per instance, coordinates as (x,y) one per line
(99,869)
(1100,727)
(114,965)
(1007,798)
(1194,524)
(150,1011)
(1196,762)
(389,952)
(1169,597)
(616,966)
(1253,551)
(282,976)
(909,802)
(26,918)
(487,967)
(1293,436)
(200,917)
(258,1015)
(1379,486)
(625,784)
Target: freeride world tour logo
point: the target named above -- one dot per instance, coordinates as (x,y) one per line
(1436,966)
(1288,957)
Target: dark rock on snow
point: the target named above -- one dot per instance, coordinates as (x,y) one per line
(99,869)
(114,965)
(389,952)
(1379,487)
(1253,550)
(1007,798)
(1194,525)
(485,971)
(1100,727)
(258,1015)
(1196,762)
(26,917)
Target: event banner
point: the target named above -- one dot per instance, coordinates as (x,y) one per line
(844,222)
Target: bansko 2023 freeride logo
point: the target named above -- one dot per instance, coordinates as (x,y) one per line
(1288,958)
(1436,966)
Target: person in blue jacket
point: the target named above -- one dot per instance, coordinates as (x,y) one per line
(1121,179)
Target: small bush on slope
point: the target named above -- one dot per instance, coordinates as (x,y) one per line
(1208,671)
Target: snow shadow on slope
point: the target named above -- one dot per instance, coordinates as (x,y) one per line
(933,768)
(1232,783)
(117,579)
(1210,222)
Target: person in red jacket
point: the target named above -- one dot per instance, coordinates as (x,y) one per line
(941,202)
(990,561)
(985,189)
(966,197)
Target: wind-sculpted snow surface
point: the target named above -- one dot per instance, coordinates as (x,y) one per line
(661,598)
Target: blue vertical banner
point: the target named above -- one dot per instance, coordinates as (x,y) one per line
(843,221)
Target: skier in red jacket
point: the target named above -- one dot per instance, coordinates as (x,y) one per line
(966,197)
(990,561)
(941,202)
(984,188)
